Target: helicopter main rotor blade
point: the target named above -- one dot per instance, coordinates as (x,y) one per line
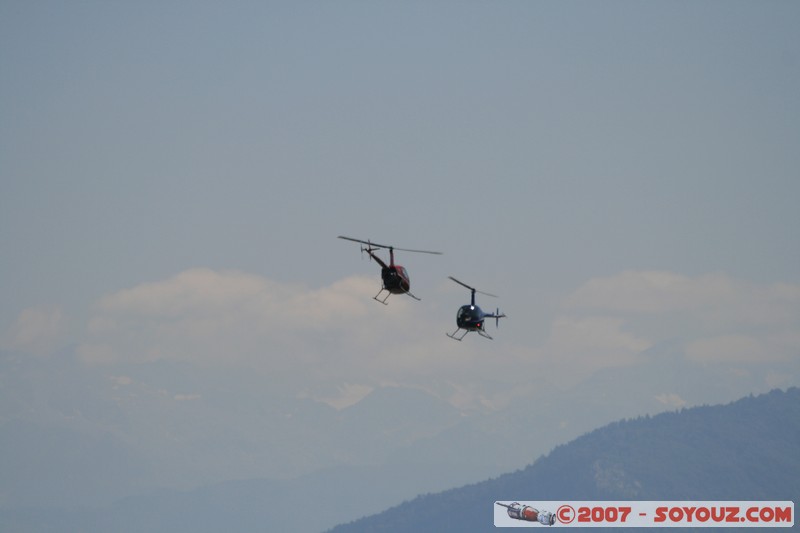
(461,283)
(376,245)
(368,243)
(415,251)
(472,288)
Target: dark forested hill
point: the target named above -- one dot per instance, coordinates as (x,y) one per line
(746,450)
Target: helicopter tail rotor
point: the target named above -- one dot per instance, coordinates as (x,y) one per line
(497,316)
(367,249)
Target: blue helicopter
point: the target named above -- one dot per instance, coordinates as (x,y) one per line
(470,317)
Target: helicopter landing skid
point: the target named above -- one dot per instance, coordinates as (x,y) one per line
(385,298)
(484,334)
(388,293)
(453,335)
(479,331)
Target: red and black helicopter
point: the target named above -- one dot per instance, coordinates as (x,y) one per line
(395,277)
(470,317)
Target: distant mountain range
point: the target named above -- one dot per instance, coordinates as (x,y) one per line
(172,447)
(746,450)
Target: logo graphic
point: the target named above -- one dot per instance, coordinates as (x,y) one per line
(693,514)
(529,514)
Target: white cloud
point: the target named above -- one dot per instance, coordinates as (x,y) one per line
(722,318)
(653,292)
(738,348)
(120,381)
(186,397)
(345,395)
(594,334)
(335,343)
(579,346)
(744,348)
(671,400)
(294,334)
(37,331)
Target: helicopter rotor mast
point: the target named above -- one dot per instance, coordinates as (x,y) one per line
(473,289)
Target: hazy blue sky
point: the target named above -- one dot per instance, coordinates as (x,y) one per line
(173,176)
